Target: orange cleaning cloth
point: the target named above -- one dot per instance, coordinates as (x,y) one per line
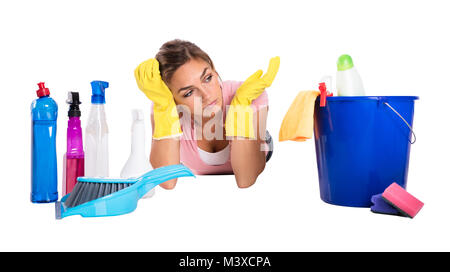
(298,123)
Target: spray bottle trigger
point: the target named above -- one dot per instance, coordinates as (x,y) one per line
(323,94)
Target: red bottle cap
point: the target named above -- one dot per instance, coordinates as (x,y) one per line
(42,90)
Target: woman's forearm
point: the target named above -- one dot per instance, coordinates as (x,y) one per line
(248,157)
(247,160)
(165,152)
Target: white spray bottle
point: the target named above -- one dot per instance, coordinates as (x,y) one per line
(138,163)
(96,158)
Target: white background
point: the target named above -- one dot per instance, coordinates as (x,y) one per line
(399,48)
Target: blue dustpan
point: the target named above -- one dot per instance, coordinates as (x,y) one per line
(121,201)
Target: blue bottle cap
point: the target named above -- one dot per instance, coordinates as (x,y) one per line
(98,91)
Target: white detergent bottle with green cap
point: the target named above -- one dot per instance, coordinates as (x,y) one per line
(96,160)
(138,163)
(348,81)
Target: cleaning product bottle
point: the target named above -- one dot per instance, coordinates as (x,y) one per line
(137,163)
(328,80)
(44,172)
(74,157)
(96,153)
(348,81)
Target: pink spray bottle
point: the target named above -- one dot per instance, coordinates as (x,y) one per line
(74,157)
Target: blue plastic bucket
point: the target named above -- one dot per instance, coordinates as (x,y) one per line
(362,146)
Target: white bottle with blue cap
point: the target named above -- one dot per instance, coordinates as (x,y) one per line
(96,161)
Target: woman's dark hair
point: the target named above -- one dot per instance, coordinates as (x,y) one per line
(175,53)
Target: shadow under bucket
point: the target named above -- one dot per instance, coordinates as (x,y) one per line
(362,146)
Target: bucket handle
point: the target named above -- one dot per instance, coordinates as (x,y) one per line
(399,115)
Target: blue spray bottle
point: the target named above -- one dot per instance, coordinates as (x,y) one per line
(44,172)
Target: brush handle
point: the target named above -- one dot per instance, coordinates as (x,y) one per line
(107,180)
(158,173)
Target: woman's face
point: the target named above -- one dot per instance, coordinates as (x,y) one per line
(196,85)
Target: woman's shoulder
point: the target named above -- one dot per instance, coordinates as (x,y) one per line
(229,88)
(231,85)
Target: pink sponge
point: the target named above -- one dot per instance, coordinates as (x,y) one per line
(402,200)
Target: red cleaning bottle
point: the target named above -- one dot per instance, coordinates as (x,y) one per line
(74,157)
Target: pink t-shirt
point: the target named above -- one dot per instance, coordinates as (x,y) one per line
(189,154)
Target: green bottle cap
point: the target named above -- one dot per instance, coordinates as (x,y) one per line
(344,62)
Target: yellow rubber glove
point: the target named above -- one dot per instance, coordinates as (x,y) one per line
(148,79)
(239,120)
